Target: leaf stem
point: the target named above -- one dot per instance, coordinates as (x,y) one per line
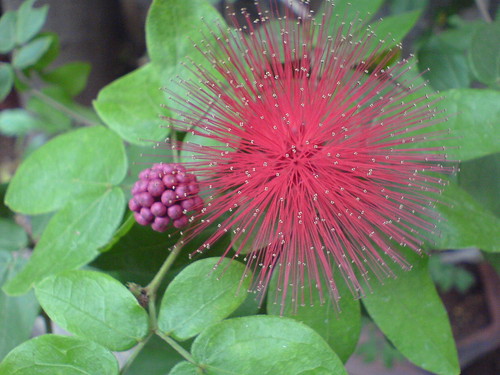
(483,10)
(62,108)
(55,103)
(151,290)
(152,310)
(153,286)
(134,355)
(174,344)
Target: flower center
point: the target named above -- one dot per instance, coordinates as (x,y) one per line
(297,160)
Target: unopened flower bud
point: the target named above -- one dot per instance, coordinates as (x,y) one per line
(160,224)
(138,217)
(144,199)
(146,214)
(133,205)
(181,222)
(162,196)
(156,187)
(158,209)
(169,180)
(174,212)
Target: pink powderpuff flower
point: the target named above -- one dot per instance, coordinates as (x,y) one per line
(314,152)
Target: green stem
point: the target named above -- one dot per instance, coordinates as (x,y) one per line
(160,275)
(62,108)
(179,349)
(153,286)
(152,313)
(151,290)
(134,355)
(54,103)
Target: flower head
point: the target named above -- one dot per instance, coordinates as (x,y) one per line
(310,151)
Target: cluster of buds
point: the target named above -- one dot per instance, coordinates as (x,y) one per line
(164,194)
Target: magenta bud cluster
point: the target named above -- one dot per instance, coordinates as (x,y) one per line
(163,195)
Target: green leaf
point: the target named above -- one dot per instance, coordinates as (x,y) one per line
(16,122)
(38,225)
(417,80)
(447,64)
(72,77)
(359,12)
(391,30)
(80,113)
(126,225)
(87,160)
(340,328)
(131,106)
(61,355)
(195,140)
(157,357)
(410,313)
(8,31)
(401,6)
(465,223)
(214,293)
(172,27)
(141,157)
(353,9)
(51,121)
(126,256)
(12,236)
(6,80)
(72,237)
(481,179)
(264,345)
(52,52)
(30,53)
(126,260)
(95,306)
(184,368)
(461,33)
(250,306)
(484,54)
(473,121)
(17,314)
(29,21)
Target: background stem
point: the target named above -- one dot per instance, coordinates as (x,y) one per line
(54,103)
(174,344)
(134,355)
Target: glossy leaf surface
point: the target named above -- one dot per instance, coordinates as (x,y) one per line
(61,355)
(410,313)
(201,295)
(95,306)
